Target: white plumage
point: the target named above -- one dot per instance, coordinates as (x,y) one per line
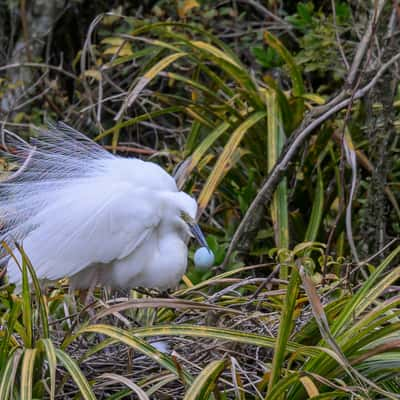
(83,213)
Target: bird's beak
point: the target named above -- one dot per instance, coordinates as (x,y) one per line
(198,234)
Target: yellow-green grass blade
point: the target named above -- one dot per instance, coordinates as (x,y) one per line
(279,204)
(317,210)
(138,54)
(234,72)
(198,111)
(214,77)
(160,382)
(294,72)
(215,52)
(27,309)
(181,41)
(221,58)
(278,390)
(205,145)
(120,395)
(193,111)
(285,328)
(76,374)
(366,294)
(13,316)
(146,79)
(192,138)
(205,382)
(283,101)
(50,351)
(297,378)
(222,165)
(140,393)
(140,118)
(335,394)
(209,94)
(219,333)
(322,320)
(164,28)
(138,344)
(153,303)
(27,371)
(188,330)
(216,278)
(41,305)
(354,337)
(9,372)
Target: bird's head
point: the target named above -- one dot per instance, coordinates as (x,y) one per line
(194,229)
(186,207)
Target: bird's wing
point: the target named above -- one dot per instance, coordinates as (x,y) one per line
(95,221)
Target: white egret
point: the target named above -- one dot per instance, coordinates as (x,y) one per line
(96,218)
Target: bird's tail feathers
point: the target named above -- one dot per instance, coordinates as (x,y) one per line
(54,159)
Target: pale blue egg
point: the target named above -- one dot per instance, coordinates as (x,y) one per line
(203,258)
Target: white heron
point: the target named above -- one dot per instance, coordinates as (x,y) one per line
(98,219)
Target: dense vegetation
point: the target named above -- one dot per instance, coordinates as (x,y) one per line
(282,119)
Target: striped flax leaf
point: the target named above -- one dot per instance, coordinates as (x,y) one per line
(205,382)
(27,371)
(317,210)
(295,75)
(41,304)
(285,328)
(146,79)
(360,300)
(140,393)
(137,119)
(222,165)
(76,374)
(50,351)
(135,342)
(9,372)
(279,204)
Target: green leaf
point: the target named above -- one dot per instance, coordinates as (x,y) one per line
(27,371)
(76,375)
(51,355)
(110,377)
(205,382)
(133,341)
(285,329)
(317,210)
(9,372)
(222,165)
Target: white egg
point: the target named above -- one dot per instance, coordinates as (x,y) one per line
(203,258)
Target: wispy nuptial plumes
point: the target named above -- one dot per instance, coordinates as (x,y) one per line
(84,213)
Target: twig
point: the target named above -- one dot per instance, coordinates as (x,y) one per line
(339,42)
(128,149)
(363,46)
(39,65)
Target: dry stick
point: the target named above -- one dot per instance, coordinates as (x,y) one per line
(87,48)
(39,65)
(338,41)
(363,46)
(300,135)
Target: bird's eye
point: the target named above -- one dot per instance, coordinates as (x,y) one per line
(185,217)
